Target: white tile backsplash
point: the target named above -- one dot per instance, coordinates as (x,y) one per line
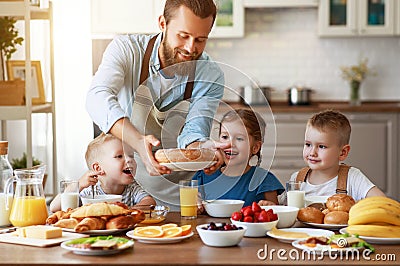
(281,48)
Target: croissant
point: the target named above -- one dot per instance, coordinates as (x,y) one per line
(125,221)
(58,215)
(90,223)
(67,223)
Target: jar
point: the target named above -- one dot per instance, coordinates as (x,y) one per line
(29,204)
(6,174)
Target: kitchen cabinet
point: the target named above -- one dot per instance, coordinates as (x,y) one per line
(109,18)
(23,10)
(374,147)
(125,16)
(279,3)
(357,17)
(229,22)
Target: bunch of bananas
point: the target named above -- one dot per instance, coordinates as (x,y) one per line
(376,217)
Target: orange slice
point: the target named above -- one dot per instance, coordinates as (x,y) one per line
(186,229)
(172,232)
(166,226)
(148,231)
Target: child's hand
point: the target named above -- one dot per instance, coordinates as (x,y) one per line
(266,203)
(88,179)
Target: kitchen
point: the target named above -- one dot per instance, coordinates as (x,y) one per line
(279,47)
(268,33)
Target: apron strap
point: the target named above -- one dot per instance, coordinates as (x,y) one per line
(302,174)
(189,84)
(342,179)
(144,72)
(341,186)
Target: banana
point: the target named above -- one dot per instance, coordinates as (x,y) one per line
(374,230)
(370,200)
(354,210)
(375,215)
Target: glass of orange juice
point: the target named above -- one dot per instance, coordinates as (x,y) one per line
(188,190)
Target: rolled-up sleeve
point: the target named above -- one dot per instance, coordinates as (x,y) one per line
(110,93)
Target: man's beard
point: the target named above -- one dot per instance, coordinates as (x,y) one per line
(173,63)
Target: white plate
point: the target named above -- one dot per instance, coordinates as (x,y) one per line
(326,226)
(188,166)
(99,232)
(309,231)
(156,240)
(94,252)
(323,249)
(375,240)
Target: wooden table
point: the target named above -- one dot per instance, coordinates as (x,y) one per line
(191,251)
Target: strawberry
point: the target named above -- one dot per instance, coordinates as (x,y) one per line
(255,207)
(264,217)
(248,219)
(248,212)
(237,216)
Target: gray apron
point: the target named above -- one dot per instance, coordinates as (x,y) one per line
(165,126)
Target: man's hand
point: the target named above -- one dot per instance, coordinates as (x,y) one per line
(146,154)
(124,130)
(218,147)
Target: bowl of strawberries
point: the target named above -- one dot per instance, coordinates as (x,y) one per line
(257,220)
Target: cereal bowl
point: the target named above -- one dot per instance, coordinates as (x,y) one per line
(286,214)
(256,229)
(101,198)
(222,208)
(217,238)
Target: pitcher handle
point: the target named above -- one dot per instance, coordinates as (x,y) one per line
(9,182)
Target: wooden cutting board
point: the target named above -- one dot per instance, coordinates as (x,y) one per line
(13,239)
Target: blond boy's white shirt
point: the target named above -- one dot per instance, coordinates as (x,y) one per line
(358,186)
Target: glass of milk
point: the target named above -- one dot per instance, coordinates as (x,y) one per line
(295,196)
(69,190)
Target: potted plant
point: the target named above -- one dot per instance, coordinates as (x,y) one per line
(20,163)
(8,41)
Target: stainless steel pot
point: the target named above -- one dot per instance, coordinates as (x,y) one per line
(255,95)
(299,95)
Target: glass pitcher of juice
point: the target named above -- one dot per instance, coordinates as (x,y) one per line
(29,204)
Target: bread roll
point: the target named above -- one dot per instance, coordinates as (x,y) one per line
(184,155)
(102,209)
(340,202)
(310,215)
(336,217)
(90,223)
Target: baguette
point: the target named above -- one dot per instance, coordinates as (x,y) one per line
(184,155)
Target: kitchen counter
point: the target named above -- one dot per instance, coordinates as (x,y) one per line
(250,251)
(370,106)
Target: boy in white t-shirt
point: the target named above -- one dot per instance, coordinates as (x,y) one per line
(326,144)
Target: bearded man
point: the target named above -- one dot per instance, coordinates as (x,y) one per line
(161,91)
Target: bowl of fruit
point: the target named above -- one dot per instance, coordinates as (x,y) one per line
(222,207)
(257,220)
(286,214)
(220,234)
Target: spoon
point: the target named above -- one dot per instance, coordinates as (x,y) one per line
(92,191)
